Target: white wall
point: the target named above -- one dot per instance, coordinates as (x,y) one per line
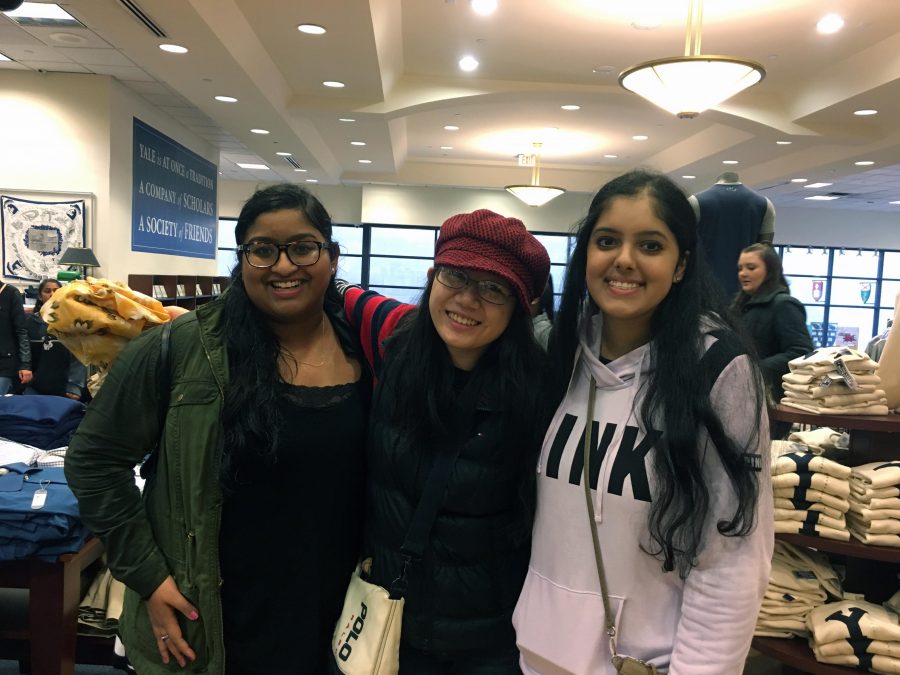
(834,227)
(64,133)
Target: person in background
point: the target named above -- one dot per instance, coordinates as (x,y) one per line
(771,316)
(55,371)
(15,351)
(678,439)
(462,369)
(237,558)
(542,309)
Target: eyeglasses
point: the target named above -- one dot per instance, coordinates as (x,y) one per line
(265,254)
(489,291)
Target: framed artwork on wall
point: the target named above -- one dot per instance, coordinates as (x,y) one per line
(35,233)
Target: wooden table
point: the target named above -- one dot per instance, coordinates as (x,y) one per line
(54,595)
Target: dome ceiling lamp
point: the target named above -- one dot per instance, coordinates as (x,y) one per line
(535,194)
(687,85)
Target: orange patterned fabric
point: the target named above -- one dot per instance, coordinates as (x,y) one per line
(95,318)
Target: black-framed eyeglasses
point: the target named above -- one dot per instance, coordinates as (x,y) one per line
(489,291)
(265,254)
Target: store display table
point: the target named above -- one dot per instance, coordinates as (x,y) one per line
(54,595)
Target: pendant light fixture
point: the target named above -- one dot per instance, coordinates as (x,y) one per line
(687,85)
(535,194)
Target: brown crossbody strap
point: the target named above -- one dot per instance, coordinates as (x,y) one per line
(588,433)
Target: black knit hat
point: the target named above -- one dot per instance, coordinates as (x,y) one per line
(488,242)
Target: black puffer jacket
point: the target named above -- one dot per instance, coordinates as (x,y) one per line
(462,594)
(777,324)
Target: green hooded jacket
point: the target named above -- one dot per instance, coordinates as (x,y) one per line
(173,527)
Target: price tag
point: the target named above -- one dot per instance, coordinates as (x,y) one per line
(40,497)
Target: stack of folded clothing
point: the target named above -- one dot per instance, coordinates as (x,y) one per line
(101,607)
(874,516)
(835,381)
(823,441)
(38,513)
(856,633)
(801,579)
(44,422)
(811,495)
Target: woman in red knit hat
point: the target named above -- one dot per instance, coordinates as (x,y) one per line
(458,378)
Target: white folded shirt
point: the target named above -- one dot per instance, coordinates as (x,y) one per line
(813,481)
(876,475)
(802,462)
(810,495)
(850,618)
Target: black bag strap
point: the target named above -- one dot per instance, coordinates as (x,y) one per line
(426,513)
(165,381)
(148,468)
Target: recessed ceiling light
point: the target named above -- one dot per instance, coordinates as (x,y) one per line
(468,64)
(364,161)
(357,142)
(4,57)
(346,119)
(729,161)
(484,7)
(611,156)
(822,198)
(226,99)
(446,147)
(865,112)
(300,170)
(897,202)
(817,185)
(259,131)
(283,154)
(799,180)
(783,142)
(689,177)
(311,29)
(865,162)
(312,180)
(451,127)
(570,106)
(174,49)
(639,138)
(334,84)
(252,166)
(830,23)
(41,14)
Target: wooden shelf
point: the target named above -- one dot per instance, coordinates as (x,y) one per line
(852,548)
(189,283)
(796,653)
(889,423)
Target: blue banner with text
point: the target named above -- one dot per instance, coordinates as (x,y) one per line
(173,203)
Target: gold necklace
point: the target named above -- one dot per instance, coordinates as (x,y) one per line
(323,361)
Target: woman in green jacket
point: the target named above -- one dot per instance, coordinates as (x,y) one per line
(236,557)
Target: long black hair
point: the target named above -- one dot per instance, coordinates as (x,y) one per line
(674,395)
(250,413)
(774,279)
(423,385)
(41,286)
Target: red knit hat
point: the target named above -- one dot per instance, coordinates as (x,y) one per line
(488,242)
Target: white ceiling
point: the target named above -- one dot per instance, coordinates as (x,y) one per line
(398,59)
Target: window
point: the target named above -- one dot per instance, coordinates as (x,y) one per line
(392,260)
(849,293)
(226,251)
